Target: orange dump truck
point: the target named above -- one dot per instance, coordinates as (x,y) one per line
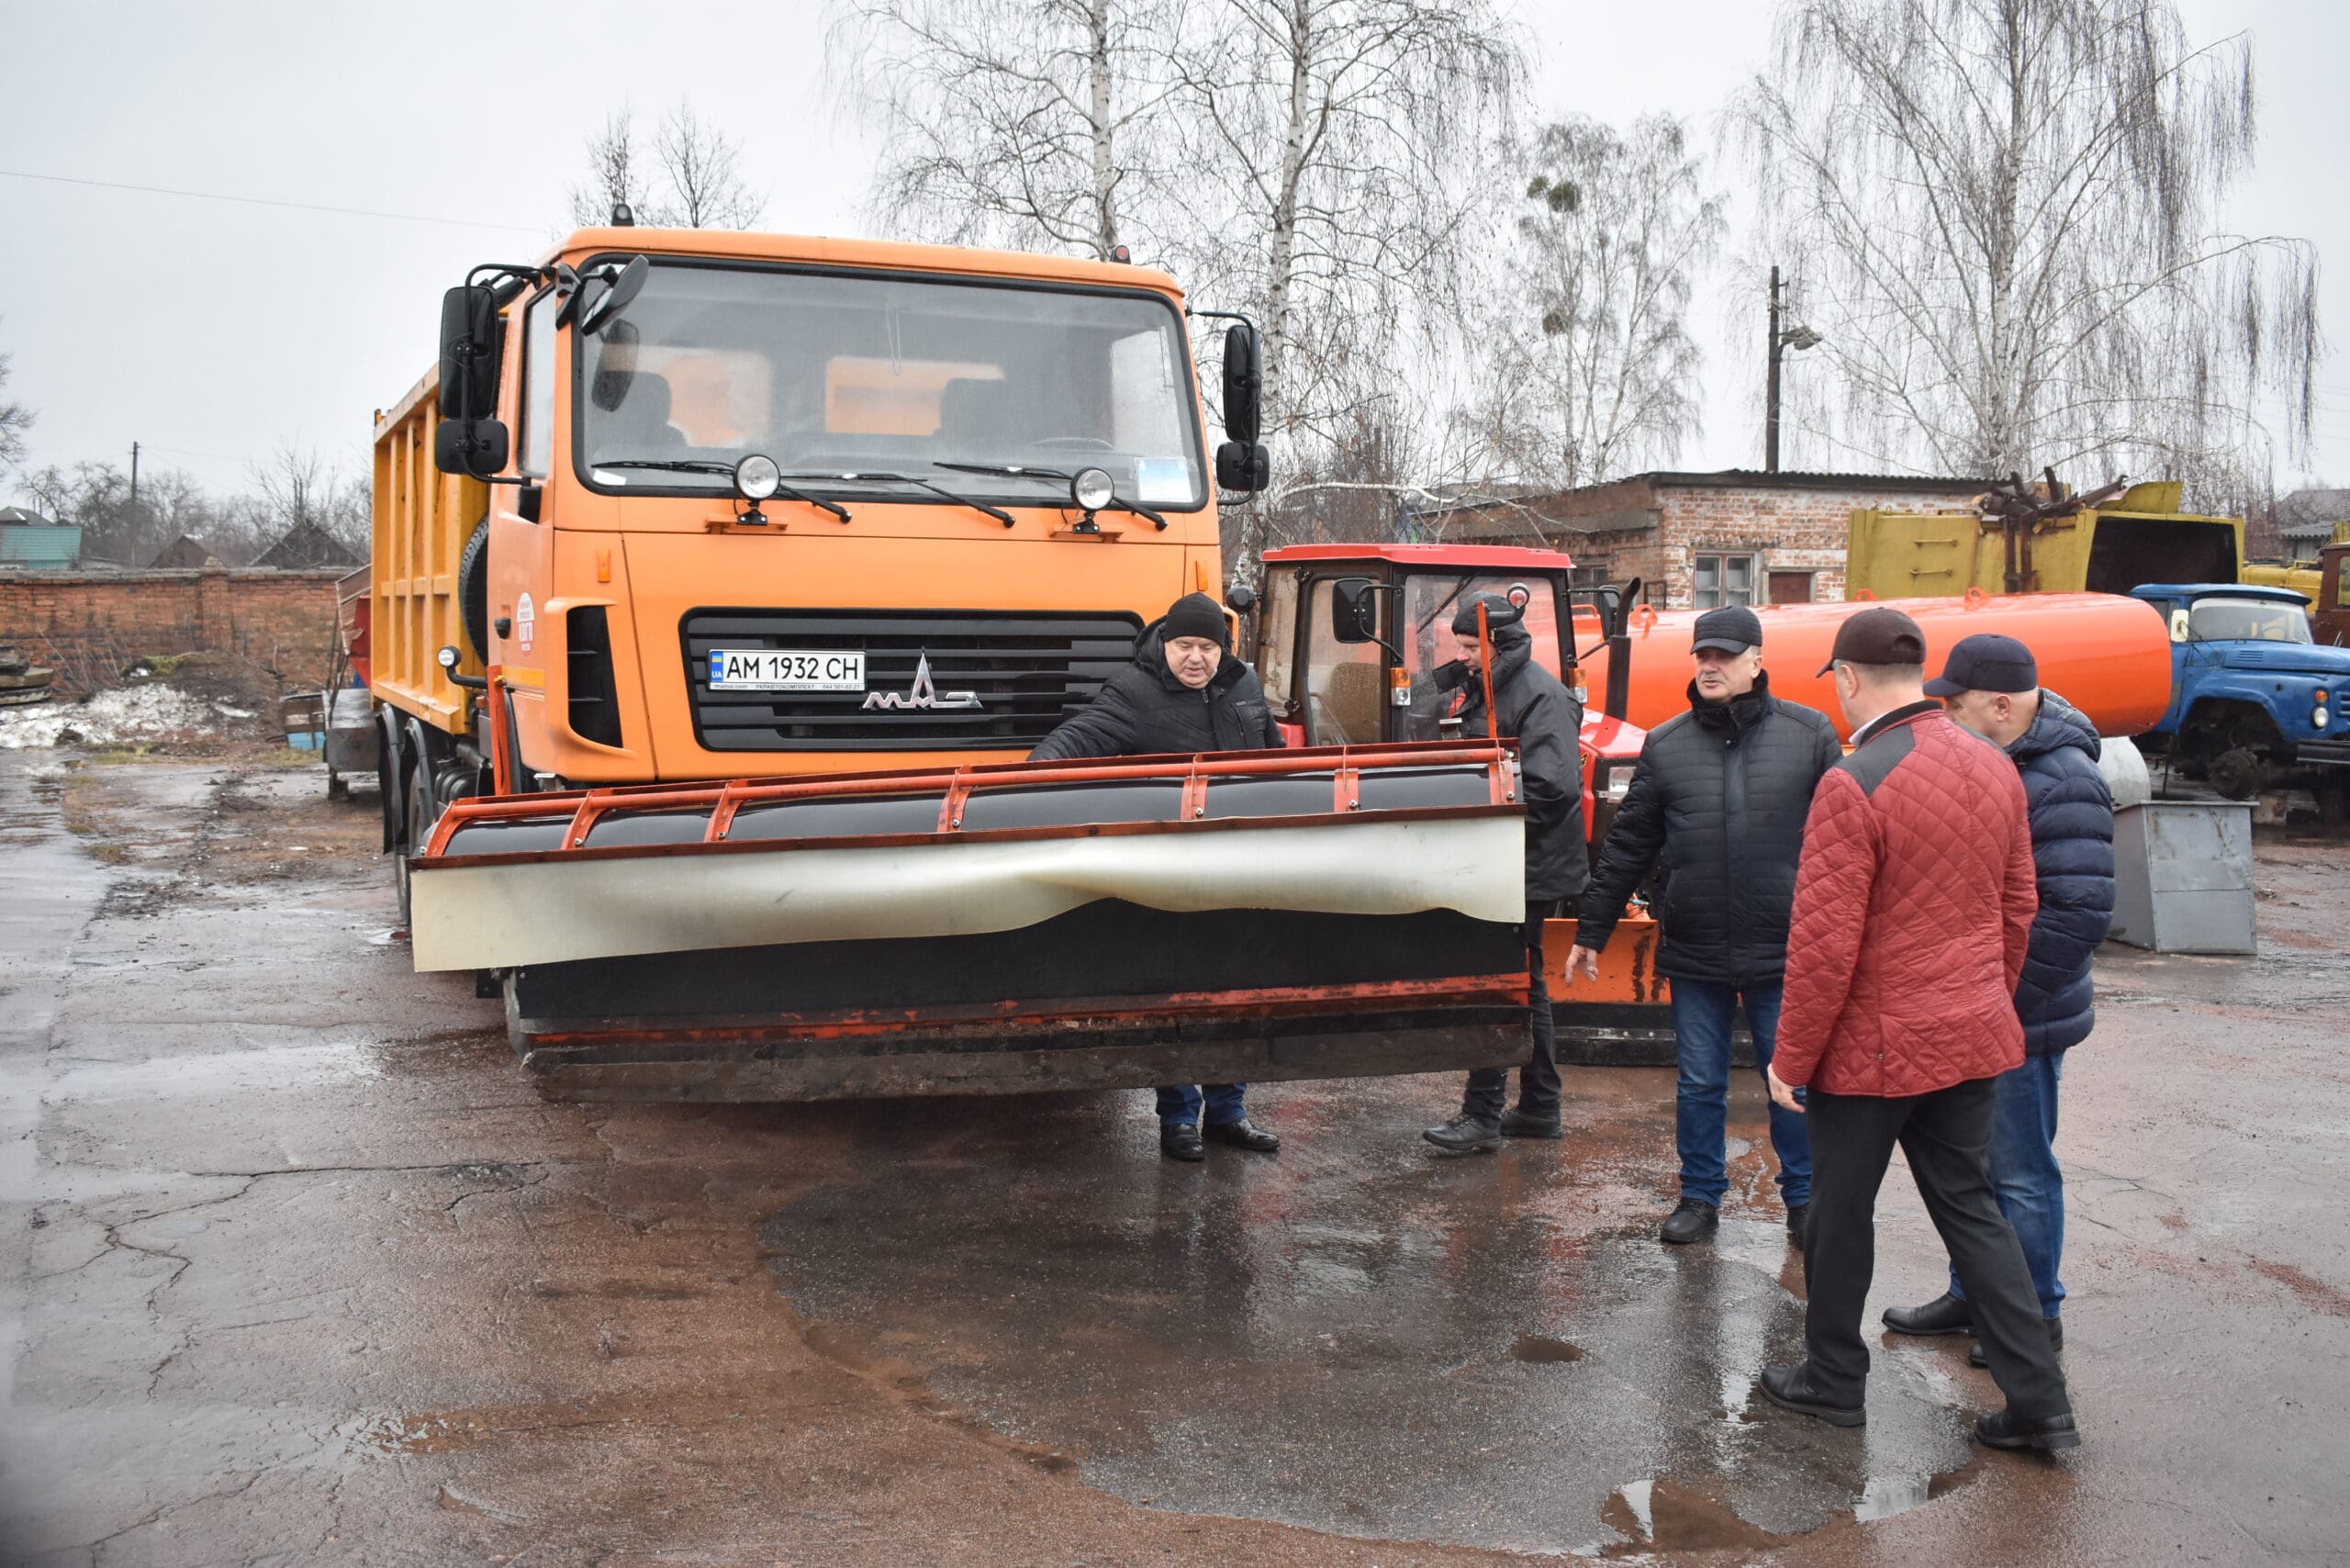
(721,584)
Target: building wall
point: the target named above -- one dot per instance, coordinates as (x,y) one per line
(86,624)
(1655,530)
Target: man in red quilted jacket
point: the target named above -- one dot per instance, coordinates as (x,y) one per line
(1913,908)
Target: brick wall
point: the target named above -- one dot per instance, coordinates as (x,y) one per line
(1653,526)
(83,623)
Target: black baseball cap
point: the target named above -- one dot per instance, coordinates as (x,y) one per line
(1986,662)
(1733,629)
(1499,612)
(1877,635)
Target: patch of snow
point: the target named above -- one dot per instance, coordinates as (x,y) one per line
(116,717)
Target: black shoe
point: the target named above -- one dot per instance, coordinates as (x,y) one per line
(1790,1388)
(1694,1220)
(2005,1429)
(1465,1135)
(1181,1141)
(1520,1124)
(1242,1133)
(1946,1314)
(1799,1215)
(1975,1358)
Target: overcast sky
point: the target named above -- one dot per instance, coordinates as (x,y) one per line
(211,331)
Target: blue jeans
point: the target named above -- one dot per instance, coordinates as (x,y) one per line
(2024,1173)
(1179,1102)
(1702,1012)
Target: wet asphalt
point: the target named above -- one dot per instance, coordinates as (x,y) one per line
(300,1270)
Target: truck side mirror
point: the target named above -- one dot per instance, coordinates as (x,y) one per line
(476,448)
(1244,386)
(621,285)
(469,344)
(1354,610)
(1243,466)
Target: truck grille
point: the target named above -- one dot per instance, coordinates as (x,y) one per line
(1029,671)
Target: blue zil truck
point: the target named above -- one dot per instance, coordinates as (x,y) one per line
(2255,700)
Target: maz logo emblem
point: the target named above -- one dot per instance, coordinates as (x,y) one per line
(922,693)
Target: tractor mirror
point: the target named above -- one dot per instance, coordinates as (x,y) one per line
(1354,610)
(468,353)
(1244,386)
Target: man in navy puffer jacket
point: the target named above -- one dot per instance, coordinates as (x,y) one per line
(1991,685)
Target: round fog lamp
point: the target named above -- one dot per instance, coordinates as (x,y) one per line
(757,477)
(1092,488)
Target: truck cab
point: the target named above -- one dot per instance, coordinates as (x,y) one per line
(2253,696)
(2329,616)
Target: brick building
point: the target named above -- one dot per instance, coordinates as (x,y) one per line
(1733,537)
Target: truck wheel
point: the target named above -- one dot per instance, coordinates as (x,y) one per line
(2239,774)
(419,830)
(2334,806)
(472,588)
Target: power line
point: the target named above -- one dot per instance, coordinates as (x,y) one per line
(264,201)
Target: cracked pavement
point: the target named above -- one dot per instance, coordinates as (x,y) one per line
(301,1271)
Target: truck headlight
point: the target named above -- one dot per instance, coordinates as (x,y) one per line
(2318,718)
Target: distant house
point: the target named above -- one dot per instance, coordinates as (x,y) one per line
(2306,519)
(305,547)
(1701,540)
(184,554)
(29,539)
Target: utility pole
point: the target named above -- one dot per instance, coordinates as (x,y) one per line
(134,472)
(1796,338)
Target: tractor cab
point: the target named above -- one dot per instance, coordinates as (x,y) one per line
(1349,638)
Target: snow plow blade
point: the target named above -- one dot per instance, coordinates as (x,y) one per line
(1114,922)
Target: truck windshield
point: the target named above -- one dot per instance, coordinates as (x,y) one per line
(2247,620)
(827,372)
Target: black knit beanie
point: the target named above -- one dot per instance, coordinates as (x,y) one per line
(1197,615)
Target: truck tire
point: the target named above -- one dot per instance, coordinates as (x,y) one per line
(2239,773)
(472,588)
(391,763)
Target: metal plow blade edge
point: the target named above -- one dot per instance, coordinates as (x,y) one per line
(1024,926)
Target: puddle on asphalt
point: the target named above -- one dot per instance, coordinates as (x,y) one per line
(1350,1338)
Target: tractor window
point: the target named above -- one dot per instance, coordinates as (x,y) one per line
(1279,641)
(2248,620)
(1430,602)
(1345,682)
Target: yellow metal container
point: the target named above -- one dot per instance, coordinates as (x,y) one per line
(2141,538)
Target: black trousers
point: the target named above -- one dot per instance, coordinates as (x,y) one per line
(1538,1081)
(1946,1137)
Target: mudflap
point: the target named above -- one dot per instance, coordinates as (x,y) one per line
(1109,995)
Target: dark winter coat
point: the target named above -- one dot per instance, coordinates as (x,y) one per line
(2072,851)
(1142,708)
(1545,719)
(1913,911)
(1720,793)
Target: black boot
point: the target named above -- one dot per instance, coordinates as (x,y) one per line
(2005,1429)
(1465,1135)
(1521,1123)
(1790,1388)
(1975,1358)
(1798,1215)
(1694,1220)
(1181,1141)
(1946,1314)
(1242,1134)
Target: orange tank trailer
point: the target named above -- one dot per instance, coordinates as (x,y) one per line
(2108,656)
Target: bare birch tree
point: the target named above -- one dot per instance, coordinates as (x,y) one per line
(1590,370)
(2005,216)
(617,174)
(689,176)
(699,165)
(1021,123)
(15,418)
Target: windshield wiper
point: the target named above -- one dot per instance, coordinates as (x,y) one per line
(1001,516)
(704,466)
(1017,471)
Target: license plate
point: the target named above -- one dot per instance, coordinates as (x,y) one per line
(785,670)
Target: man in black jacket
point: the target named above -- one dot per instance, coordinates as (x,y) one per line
(1721,793)
(1543,717)
(1991,685)
(1183,692)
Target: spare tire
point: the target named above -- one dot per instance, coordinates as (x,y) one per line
(473,589)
